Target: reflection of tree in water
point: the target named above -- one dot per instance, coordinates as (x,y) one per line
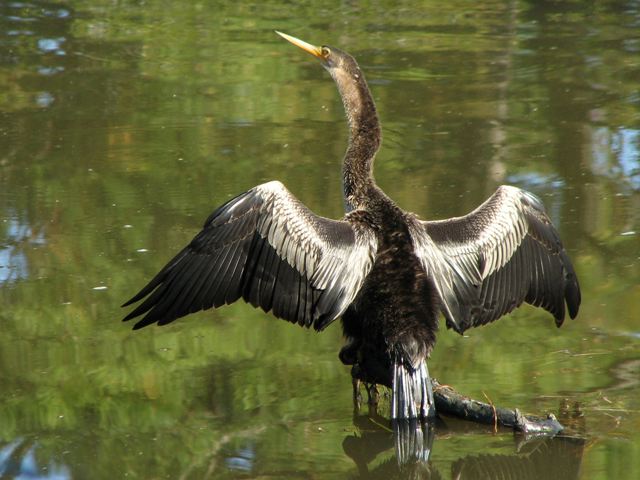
(587,103)
(32,52)
(34,49)
(70,81)
(18,460)
(13,260)
(51,81)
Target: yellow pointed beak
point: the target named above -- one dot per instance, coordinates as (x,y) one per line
(307,47)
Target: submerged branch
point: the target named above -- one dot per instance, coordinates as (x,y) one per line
(450,402)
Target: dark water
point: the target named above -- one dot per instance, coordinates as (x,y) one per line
(123,124)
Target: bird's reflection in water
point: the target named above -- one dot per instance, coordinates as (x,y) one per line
(412,443)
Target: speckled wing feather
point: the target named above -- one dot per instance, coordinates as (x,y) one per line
(488,262)
(266,247)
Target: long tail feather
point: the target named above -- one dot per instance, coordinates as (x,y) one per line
(412,392)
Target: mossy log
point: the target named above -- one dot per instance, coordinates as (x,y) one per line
(449,402)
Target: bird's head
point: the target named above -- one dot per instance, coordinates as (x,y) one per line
(336,61)
(356,97)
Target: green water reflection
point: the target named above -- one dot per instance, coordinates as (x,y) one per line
(123,125)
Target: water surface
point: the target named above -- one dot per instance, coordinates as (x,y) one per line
(123,125)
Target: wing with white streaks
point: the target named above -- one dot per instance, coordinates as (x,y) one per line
(266,247)
(488,262)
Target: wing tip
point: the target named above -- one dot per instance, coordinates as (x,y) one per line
(140,295)
(574,299)
(559,319)
(572,294)
(133,314)
(148,319)
(322,322)
(127,303)
(139,324)
(459,329)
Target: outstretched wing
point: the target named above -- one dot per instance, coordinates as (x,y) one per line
(268,248)
(488,262)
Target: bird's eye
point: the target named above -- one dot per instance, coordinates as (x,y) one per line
(325,51)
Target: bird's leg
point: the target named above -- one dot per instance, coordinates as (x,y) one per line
(373,394)
(349,356)
(429,410)
(357,397)
(373,398)
(368,370)
(356,381)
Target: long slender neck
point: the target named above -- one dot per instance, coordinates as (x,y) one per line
(364,137)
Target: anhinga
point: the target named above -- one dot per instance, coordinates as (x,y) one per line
(387,273)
